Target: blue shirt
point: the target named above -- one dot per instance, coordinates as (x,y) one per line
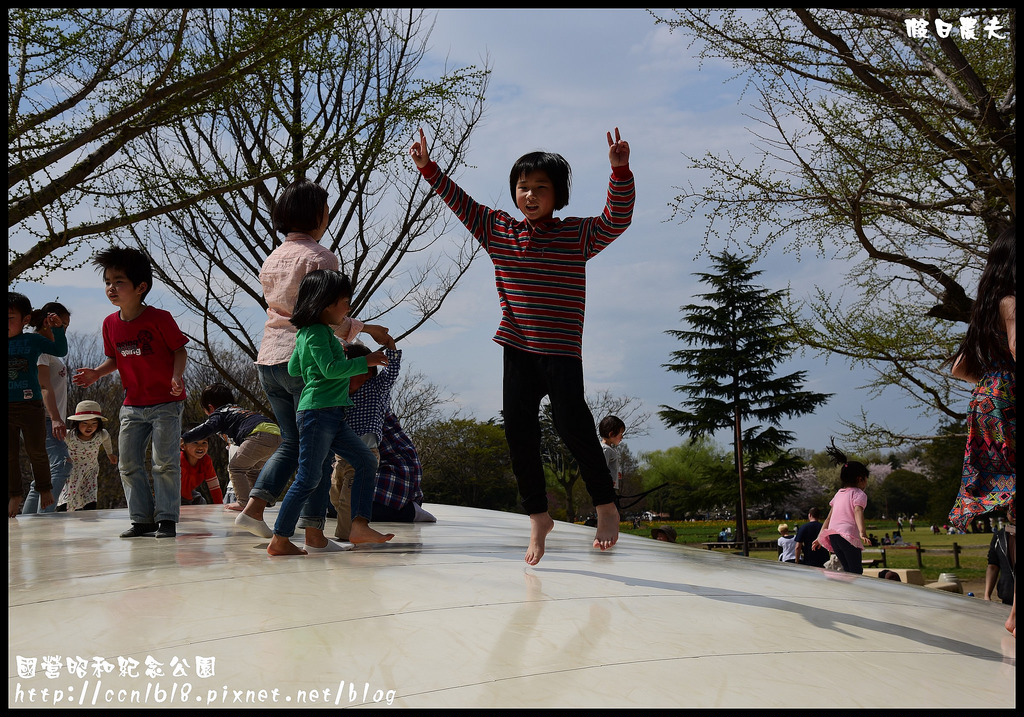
(366,414)
(23,352)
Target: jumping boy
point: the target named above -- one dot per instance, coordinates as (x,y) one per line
(146,347)
(540,274)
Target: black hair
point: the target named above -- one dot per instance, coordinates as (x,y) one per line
(75,424)
(52,307)
(319,289)
(852,471)
(356,350)
(20,303)
(553,165)
(135,265)
(984,345)
(216,395)
(186,427)
(814,513)
(300,207)
(610,426)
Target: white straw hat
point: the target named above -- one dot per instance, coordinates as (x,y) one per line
(87,410)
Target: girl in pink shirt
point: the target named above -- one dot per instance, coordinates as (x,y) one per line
(844,531)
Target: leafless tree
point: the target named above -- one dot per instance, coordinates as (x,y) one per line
(86,87)
(340,111)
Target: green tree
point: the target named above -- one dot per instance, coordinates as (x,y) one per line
(683,470)
(943,456)
(904,492)
(87,86)
(738,339)
(893,153)
(465,462)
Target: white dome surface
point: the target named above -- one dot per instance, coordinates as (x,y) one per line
(449,615)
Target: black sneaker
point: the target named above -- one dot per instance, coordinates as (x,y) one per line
(166,529)
(138,530)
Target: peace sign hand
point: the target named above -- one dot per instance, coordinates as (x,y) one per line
(618,150)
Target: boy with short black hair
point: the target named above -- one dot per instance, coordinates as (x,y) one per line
(146,347)
(26,416)
(612,429)
(255,435)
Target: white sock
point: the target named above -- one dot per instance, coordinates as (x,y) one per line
(256,527)
(331,547)
(422,516)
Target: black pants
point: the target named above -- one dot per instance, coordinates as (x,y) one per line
(528,377)
(386,514)
(849,556)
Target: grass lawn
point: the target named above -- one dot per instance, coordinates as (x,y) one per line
(937,556)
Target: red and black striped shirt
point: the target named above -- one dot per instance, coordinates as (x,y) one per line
(540,270)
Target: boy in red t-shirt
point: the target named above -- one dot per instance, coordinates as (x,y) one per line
(146,347)
(196,469)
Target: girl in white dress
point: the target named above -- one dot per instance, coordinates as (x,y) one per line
(84,438)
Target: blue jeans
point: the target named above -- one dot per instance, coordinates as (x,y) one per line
(283,391)
(60,471)
(161,426)
(324,433)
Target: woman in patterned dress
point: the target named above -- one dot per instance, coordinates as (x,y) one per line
(988,358)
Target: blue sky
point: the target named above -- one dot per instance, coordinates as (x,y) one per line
(560,80)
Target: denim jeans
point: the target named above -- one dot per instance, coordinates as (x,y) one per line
(60,471)
(161,426)
(324,433)
(283,391)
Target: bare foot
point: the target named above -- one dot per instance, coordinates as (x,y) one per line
(280,545)
(361,532)
(540,525)
(233,506)
(607,526)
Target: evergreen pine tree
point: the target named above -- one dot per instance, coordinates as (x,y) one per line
(737,338)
